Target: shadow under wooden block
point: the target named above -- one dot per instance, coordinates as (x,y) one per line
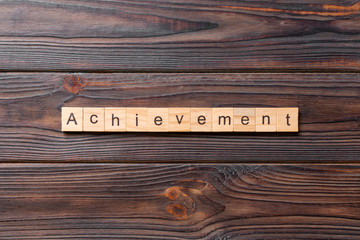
(201,119)
(179,120)
(72,119)
(288,119)
(94,120)
(136,119)
(266,119)
(244,120)
(222,120)
(115,119)
(158,119)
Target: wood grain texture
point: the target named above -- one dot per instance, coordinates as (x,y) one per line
(179,35)
(30,117)
(112,201)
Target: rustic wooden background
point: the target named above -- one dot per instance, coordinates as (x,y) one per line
(157,53)
(329,106)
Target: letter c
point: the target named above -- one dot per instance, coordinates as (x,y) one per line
(91,119)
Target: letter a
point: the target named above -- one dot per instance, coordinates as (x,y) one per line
(71,118)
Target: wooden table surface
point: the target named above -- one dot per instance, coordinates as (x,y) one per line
(171,53)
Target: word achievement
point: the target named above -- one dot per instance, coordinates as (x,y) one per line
(86,119)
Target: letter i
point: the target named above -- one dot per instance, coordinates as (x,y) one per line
(137,120)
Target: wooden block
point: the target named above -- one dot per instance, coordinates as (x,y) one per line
(266,119)
(136,119)
(179,120)
(222,119)
(244,120)
(72,119)
(287,119)
(115,119)
(200,119)
(158,119)
(94,120)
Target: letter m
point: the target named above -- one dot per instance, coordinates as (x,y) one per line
(225,118)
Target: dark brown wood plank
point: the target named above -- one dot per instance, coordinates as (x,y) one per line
(112,201)
(30,117)
(179,35)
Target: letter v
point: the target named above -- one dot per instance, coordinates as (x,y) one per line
(179,121)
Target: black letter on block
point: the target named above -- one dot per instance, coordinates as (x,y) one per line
(245,120)
(158,120)
(71,118)
(288,120)
(179,121)
(263,119)
(91,119)
(115,118)
(202,119)
(224,118)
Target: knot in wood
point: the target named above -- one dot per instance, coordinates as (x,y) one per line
(74,84)
(182,206)
(178,211)
(172,193)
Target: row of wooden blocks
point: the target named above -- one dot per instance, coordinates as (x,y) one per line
(110,119)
